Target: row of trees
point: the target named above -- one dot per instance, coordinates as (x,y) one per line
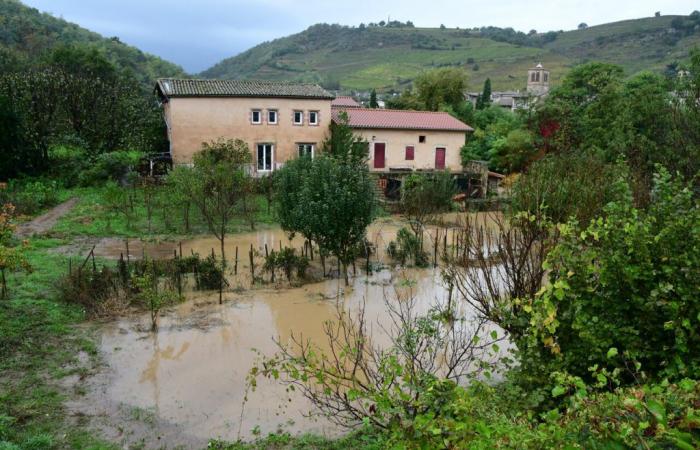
(73,96)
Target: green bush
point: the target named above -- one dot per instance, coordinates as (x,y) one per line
(29,197)
(622,299)
(407,247)
(68,163)
(109,166)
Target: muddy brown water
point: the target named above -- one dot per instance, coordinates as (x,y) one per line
(186,383)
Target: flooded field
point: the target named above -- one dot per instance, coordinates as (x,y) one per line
(186,383)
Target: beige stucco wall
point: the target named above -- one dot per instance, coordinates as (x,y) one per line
(424,154)
(192,121)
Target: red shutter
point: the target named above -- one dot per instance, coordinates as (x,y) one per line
(410,153)
(379,155)
(439,158)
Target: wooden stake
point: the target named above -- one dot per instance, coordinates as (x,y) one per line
(235,264)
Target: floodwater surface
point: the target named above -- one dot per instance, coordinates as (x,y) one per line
(186,383)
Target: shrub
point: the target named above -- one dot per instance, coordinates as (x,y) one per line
(288,261)
(407,247)
(67,163)
(109,166)
(622,297)
(29,197)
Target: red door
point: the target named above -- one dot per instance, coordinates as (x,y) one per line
(379,154)
(439,158)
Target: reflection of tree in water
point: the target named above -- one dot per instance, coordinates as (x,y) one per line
(150,373)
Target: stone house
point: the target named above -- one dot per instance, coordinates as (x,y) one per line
(277,120)
(280,121)
(406,140)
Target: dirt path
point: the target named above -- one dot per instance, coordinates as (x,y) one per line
(46,221)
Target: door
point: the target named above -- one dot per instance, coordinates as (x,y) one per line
(265,157)
(379,155)
(440,158)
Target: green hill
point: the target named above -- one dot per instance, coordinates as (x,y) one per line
(27,34)
(389,57)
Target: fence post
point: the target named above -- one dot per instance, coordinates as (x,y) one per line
(235,264)
(252,267)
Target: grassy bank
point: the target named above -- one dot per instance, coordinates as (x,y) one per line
(92,217)
(41,347)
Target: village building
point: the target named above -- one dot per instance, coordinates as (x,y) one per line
(279,121)
(537,87)
(405,140)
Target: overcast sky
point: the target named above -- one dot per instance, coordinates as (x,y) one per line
(198,33)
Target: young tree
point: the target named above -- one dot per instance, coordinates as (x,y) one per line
(179,183)
(424,196)
(484,100)
(373,99)
(343,144)
(219,183)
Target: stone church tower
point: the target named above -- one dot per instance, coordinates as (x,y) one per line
(538,81)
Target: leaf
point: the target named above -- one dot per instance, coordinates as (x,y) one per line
(657,410)
(558,391)
(612,352)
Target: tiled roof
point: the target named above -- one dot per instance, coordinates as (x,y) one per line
(172,87)
(400,119)
(346,101)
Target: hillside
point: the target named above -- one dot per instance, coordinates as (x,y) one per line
(389,57)
(26,34)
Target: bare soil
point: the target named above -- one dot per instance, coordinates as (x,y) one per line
(46,221)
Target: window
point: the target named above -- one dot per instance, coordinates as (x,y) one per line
(306,150)
(410,153)
(532,76)
(272,116)
(298,117)
(256,116)
(537,77)
(546,77)
(265,157)
(313,117)
(421,139)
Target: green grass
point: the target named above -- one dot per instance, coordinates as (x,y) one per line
(90,217)
(363,439)
(39,347)
(386,58)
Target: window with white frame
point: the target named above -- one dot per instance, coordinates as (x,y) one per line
(265,157)
(313,117)
(298,117)
(256,116)
(306,150)
(272,116)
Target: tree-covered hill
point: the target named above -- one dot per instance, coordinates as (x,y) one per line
(28,35)
(389,56)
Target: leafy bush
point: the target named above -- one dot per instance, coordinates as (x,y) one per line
(29,197)
(423,196)
(288,261)
(622,298)
(67,163)
(407,247)
(110,166)
(566,185)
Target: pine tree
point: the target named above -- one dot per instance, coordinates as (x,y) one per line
(484,100)
(373,99)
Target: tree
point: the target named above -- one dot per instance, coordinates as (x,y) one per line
(329,201)
(438,87)
(484,100)
(343,144)
(582,26)
(219,182)
(373,99)
(622,300)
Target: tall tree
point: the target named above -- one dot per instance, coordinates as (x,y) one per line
(344,144)
(441,87)
(484,100)
(373,99)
